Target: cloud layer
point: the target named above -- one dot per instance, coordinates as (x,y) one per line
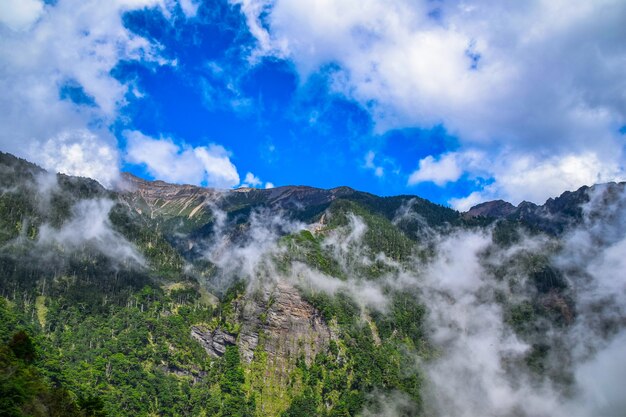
(533,92)
(57,83)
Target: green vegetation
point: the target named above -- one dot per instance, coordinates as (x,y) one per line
(381,235)
(86,332)
(360,362)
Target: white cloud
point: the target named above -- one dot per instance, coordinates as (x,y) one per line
(543,78)
(203,165)
(189,7)
(70,42)
(466,203)
(81,153)
(20,14)
(253,10)
(527,177)
(90,226)
(379,164)
(440,171)
(251,180)
(379,171)
(600,380)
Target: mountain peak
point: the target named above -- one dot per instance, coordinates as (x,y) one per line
(554,216)
(496,208)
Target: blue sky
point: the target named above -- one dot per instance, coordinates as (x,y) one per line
(289,130)
(456,102)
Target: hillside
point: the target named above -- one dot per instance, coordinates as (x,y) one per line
(177,300)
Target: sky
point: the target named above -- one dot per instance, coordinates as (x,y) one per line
(456,101)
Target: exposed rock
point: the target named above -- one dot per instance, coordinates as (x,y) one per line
(214,342)
(291,327)
(193,207)
(175,199)
(195,374)
(498,208)
(161,198)
(557,303)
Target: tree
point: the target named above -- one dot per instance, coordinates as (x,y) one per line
(23,347)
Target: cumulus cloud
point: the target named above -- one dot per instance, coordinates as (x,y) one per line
(539,79)
(440,171)
(80,153)
(20,14)
(202,165)
(56,78)
(466,203)
(251,180)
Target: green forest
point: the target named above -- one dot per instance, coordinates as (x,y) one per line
(129,304)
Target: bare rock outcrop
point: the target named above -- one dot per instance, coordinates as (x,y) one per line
(290,326)
(214,342)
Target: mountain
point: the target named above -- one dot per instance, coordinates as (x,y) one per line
(556,215)
(177,300)
(301,202)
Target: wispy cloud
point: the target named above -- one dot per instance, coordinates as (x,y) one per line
(468,285)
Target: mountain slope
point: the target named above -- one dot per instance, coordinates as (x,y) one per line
(163,299)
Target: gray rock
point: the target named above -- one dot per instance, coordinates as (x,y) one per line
(291,326)
(214,342)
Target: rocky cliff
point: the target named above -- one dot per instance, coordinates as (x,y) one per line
(290,326)
(275,320)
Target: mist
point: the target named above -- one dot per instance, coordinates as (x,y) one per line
(480,368)
(63,223)
(90,227)
(469,285)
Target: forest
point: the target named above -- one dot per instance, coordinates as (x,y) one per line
(183,303)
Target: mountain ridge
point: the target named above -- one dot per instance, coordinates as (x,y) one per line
(291,301)
(158,198)
(554,216)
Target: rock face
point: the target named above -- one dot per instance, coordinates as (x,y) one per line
(160,198)
(214,342)
(176,199)
(278,319)
(498,208)
(291,327)
(193,208)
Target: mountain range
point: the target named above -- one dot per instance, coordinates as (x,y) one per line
(164,299)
